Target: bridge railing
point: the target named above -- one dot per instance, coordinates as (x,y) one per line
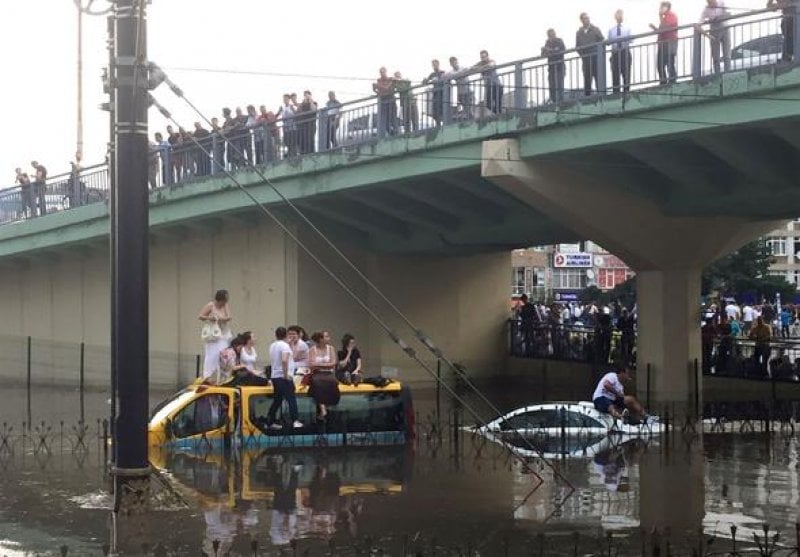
(477,93)
(58,193)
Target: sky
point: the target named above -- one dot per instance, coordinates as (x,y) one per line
(313,45)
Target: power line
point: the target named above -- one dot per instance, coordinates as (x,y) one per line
(419,334)
(266,73)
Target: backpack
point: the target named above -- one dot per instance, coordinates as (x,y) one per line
(378,381)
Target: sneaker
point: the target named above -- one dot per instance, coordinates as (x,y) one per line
(297,424)
(275,426)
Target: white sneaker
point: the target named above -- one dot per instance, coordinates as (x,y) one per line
(275,426)
(297,424)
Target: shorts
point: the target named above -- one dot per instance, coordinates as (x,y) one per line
(603,404)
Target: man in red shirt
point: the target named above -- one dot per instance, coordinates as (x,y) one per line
(667,43)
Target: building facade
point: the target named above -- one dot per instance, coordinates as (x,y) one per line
(785,245)
(560,272)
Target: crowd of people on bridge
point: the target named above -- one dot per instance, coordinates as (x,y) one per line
(254,136)
(32,191)
(301,126)
(294,360)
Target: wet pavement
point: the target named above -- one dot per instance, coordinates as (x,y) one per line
(450,492)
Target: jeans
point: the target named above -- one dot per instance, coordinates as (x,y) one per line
(787,28)
(665,58)
(494,97)
(333,130)
(41,192)
(761,356)
(621,67)
(284,390)
(720,42)
(387,116)
(555,81)
(410,114)
(589,66)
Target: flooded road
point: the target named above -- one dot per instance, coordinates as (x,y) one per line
(443,494)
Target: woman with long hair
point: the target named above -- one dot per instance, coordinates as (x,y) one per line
(348,370)
(324,387)
(216,332)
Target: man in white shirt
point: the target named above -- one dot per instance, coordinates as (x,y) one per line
(719,39)
(748,316)
(299,354)
(609,396)
(280,355)
(732,311)
(619,39)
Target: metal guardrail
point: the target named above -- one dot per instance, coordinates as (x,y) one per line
(524,86)
(778,360)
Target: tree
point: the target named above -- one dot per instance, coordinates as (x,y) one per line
(746,271)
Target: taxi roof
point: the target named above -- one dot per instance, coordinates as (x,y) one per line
(361,388)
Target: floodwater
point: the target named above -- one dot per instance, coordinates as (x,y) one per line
(449,493)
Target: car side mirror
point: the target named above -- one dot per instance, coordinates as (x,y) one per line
(168,429)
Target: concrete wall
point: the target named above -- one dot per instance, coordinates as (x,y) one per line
(461,302)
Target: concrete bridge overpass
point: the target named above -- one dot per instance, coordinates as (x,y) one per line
(667,177)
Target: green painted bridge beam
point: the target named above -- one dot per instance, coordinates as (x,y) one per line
(406,209)
(676,163)
(753,156)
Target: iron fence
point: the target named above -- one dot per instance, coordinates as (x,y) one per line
(58,193)
(777,360)
(542,83)
(767,543)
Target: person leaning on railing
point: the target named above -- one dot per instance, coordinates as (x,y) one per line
(588,40)
(788,8)
(715,13)
(761,333)
(40,186)
(27,205)
(667,43)
(554,50)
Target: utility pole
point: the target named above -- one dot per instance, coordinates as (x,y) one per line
(82,9)
(130,252)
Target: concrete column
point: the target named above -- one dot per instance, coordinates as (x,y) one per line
(668,253)
(669,338)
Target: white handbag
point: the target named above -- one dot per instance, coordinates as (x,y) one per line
(210,332)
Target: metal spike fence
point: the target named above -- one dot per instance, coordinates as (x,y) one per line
(656,543)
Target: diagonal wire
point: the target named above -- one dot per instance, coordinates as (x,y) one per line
(399,341)
(420,335)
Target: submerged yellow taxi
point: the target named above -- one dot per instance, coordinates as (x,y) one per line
(221,416)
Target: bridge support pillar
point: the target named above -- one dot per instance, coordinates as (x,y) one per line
(667,251)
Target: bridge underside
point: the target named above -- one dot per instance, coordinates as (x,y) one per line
(746,171)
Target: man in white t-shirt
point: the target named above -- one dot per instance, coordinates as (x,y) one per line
(748,316)
(732,311)
(609,396)
(280,355)
(299,354)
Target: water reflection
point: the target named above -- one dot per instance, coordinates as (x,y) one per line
(458,493)
(290,494)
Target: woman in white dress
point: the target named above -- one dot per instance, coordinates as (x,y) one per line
(248,354)
(216,312)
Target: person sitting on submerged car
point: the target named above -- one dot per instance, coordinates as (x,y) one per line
(610,398)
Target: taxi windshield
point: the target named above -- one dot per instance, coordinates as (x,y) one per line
(167,407)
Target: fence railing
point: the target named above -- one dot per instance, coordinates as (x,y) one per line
(777,360)
(524,86)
